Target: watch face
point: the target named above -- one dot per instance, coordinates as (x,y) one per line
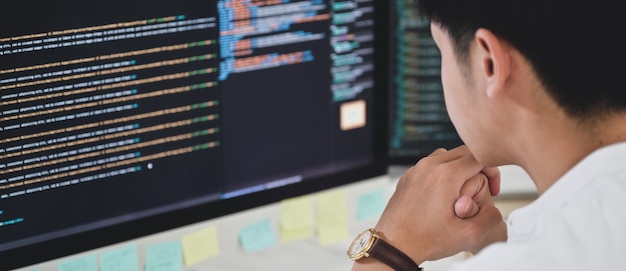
(360,245)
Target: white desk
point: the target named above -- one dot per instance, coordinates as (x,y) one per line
(304,255)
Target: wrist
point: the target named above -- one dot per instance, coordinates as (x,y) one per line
(414,249)
(366,264)
(369,250)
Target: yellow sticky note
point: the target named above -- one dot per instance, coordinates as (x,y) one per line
(296,220)
(289,235)
(200,245)
(332,217)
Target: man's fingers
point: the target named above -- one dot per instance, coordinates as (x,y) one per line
(442,155)
(465,207)
(438,152)
(493,175)
(457,163)
(472,193)
(466,167)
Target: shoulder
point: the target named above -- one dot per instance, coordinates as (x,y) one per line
(584,229)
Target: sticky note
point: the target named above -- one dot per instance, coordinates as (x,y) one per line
(370,205)
(296,218)
(257,236)
(353,115)
(290,235)
(200,245)
(82,263)
(332,217)
(120,259)
(164,257)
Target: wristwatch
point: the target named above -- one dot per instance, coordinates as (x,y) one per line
(369,244)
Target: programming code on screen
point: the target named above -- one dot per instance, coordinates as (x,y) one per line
(419,119)
(124,109)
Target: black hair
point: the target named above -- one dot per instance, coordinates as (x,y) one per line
(577,48)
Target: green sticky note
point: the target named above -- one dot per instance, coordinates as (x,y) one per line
(120,259)
(371,205)
(82,263)
(164,257)
(257,236)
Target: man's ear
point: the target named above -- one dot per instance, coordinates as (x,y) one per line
(494,61)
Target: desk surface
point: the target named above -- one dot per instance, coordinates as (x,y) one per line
(308,254)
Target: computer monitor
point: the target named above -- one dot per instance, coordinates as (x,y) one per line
(125,118)
(419,121)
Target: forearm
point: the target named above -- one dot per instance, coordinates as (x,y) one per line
(367,264)
(440,207)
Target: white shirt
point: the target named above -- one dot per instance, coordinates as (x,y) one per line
(579,223)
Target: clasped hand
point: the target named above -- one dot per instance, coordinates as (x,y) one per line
(442,206)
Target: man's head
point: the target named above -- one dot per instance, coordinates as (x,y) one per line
(576,49)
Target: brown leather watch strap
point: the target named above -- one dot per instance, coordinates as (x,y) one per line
(391,256)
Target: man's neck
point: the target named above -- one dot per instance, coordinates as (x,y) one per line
(561,144)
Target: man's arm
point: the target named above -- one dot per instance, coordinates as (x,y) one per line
(441,206)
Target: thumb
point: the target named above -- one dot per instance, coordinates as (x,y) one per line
(473,192)
(465,207)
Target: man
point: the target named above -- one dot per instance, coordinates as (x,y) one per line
(534,83)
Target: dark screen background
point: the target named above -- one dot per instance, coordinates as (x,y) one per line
(265,125)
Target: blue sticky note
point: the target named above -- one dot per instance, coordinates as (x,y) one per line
(83,263)
(371,205)
(121,259)
(257,236)
(164,257)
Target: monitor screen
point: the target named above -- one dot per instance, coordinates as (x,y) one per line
(134,116)
(419,121)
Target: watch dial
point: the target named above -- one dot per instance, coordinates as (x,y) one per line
(361,242)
